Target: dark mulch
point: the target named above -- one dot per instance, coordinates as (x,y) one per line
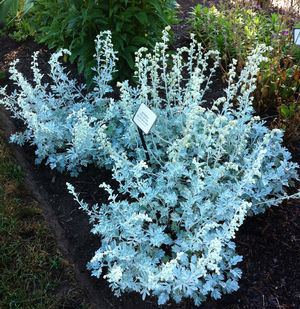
(270,243)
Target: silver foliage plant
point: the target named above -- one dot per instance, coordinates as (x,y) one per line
(62,119)
(209,168)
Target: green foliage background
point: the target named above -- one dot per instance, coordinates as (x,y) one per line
(11,9)
(74,24)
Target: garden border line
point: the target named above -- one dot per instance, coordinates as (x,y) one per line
(40,195)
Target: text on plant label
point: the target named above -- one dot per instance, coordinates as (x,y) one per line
(144,118)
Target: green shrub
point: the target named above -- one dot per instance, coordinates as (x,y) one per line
(75,24)
(11,18)
(10,9)
(277,93)
(234,31)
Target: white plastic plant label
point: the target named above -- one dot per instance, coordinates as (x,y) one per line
(144,118)
(297,36)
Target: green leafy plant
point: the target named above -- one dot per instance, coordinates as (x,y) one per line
(278,83)
(8,8)
(133,23)
(234,31)
(277,93)
(2,75)
(288,111)
(12,14)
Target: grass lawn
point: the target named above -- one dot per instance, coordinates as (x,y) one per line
(33,273)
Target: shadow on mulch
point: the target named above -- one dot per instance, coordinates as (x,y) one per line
(270,243)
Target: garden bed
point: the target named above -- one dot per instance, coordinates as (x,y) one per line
(269,243)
